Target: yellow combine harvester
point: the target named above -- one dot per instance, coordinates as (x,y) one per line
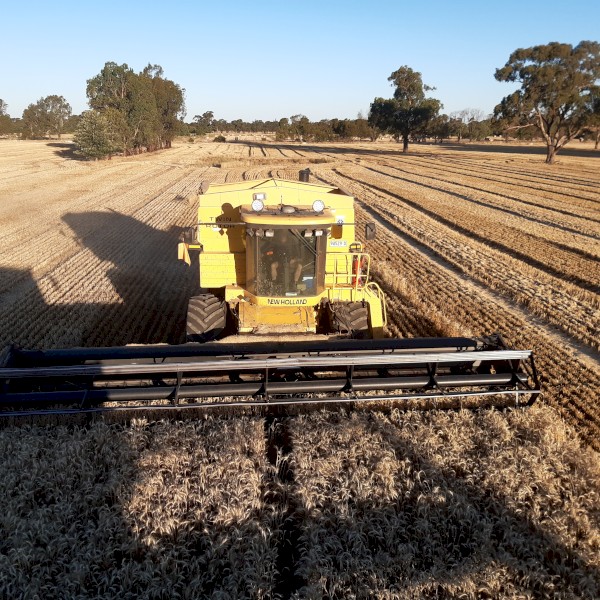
(278,261)
(280,256)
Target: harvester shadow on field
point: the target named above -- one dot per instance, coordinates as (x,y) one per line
(27,320)
(153,285)
(153,289)
(443,532)
(139,527)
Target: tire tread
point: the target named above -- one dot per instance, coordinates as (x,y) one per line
(206,318)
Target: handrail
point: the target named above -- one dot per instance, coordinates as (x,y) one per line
(349,276)
(382,299)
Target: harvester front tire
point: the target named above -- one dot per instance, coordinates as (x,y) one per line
(351,319)
(206,318)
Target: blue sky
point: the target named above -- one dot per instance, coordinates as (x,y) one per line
(269,59)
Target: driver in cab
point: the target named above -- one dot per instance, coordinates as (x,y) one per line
(285,265)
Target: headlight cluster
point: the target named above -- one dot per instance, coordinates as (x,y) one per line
(258,201)
(258,204)
(259,198)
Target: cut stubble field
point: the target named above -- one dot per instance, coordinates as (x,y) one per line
(327,504)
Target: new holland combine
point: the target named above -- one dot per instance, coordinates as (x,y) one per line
(288,314)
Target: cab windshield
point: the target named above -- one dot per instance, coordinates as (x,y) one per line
(285,262)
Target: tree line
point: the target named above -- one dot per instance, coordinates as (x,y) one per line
(559,100)
(297,127)
(469,123)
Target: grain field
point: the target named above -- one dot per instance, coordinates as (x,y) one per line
(469,504)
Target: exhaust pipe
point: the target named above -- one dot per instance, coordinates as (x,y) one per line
(304,175)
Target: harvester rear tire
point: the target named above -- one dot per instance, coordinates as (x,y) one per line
(351,319)
(206,318)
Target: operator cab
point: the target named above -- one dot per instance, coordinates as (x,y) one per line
(286,248)
(285,261)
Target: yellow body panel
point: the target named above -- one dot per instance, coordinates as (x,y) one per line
(224,212)
(221,228)
(218,269)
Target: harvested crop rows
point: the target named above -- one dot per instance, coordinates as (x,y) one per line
(564,305)
(481,504)
(404,261)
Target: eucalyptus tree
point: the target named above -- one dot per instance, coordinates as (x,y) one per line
(170,104)
(146,107)
(409,111)
(594,120)
(205,123)
(58,111)
(558,82)
(5,120)
(47,116)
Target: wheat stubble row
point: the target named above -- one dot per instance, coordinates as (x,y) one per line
(567,306)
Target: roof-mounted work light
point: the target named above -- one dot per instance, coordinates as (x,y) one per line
(318,206)
(258,202)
